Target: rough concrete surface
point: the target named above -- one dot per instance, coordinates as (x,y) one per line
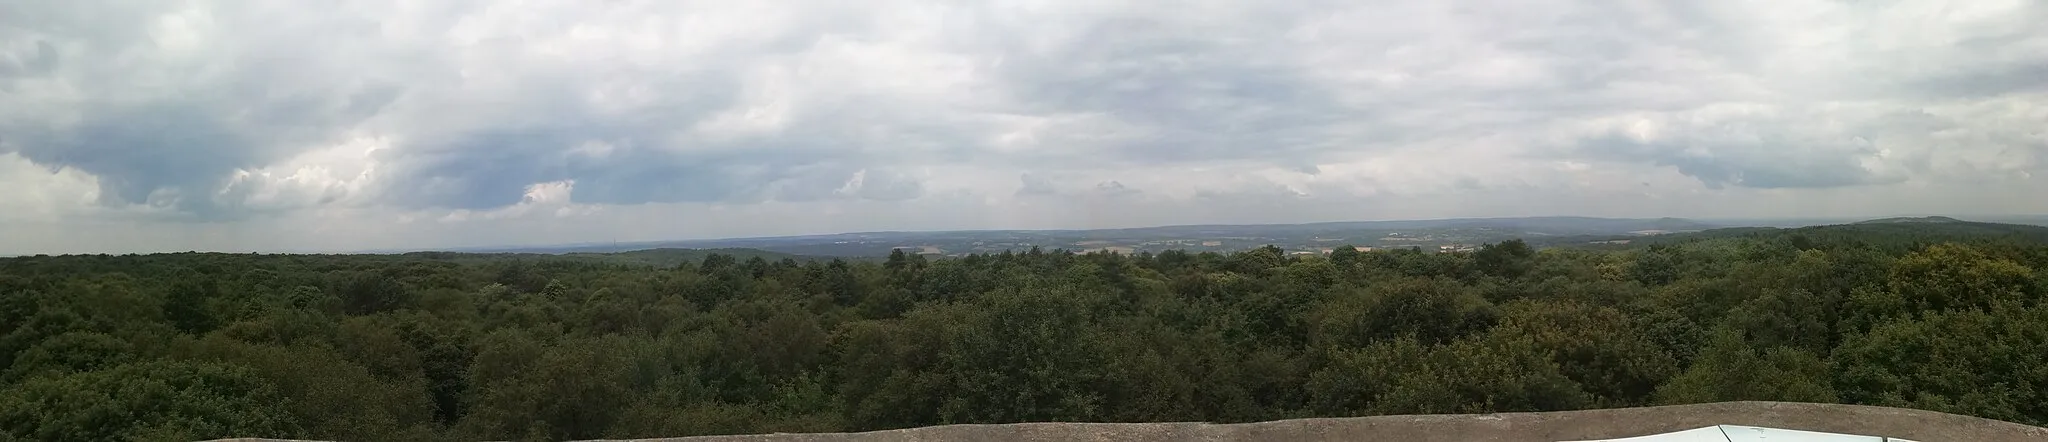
(1922,426)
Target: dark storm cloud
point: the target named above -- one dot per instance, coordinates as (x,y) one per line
(137,151)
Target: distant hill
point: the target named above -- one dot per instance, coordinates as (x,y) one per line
(1550,225)
(1913,220)
(1886,231)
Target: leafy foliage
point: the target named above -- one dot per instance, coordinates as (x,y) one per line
(146,401)
(440,346)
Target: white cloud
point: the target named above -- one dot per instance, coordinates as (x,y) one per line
(554,199)
(342,175)
(35,193)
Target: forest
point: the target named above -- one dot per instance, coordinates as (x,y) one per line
(195,346)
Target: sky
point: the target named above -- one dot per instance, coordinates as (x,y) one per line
(275,125)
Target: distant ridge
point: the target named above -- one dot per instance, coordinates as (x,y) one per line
(1900,231)
(1912,220)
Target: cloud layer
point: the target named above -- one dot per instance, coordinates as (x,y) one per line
(373,123)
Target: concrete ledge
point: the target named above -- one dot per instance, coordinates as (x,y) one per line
(1924,426)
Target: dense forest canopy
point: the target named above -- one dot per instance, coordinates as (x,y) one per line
(462,347)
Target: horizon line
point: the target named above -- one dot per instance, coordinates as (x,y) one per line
(615,243)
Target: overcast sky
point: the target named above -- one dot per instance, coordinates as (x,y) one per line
(158,125)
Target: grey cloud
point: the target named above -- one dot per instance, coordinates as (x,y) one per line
(1985,60)
(167,135)
(138,151)
(816,182)
(1197,95)
(1035,185)
(104,23)
(1253,191)
(1815,146)
(2022,78)
(1913,121)
(458,150)
(1155,87)
(482,170)
(888,185)
(1050,186)
(185,150)
(1767,163)
(1113,188)
(659,178)
(373,98)
(659,153)
(487,160)
(492,169)
(44,59)
(643,163)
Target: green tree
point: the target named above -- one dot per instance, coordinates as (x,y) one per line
(331,397)
(1357,381)
(1344,256)
(1599,348)
(1484,374)
(1730,370)
(1033,354)
(1433,310)
(572,391)
(438,346)
(1506,259)
(1950,276)
(70,353)
(1985,363)
(366,293)
(1256,261)
(186,305)
(146,401)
